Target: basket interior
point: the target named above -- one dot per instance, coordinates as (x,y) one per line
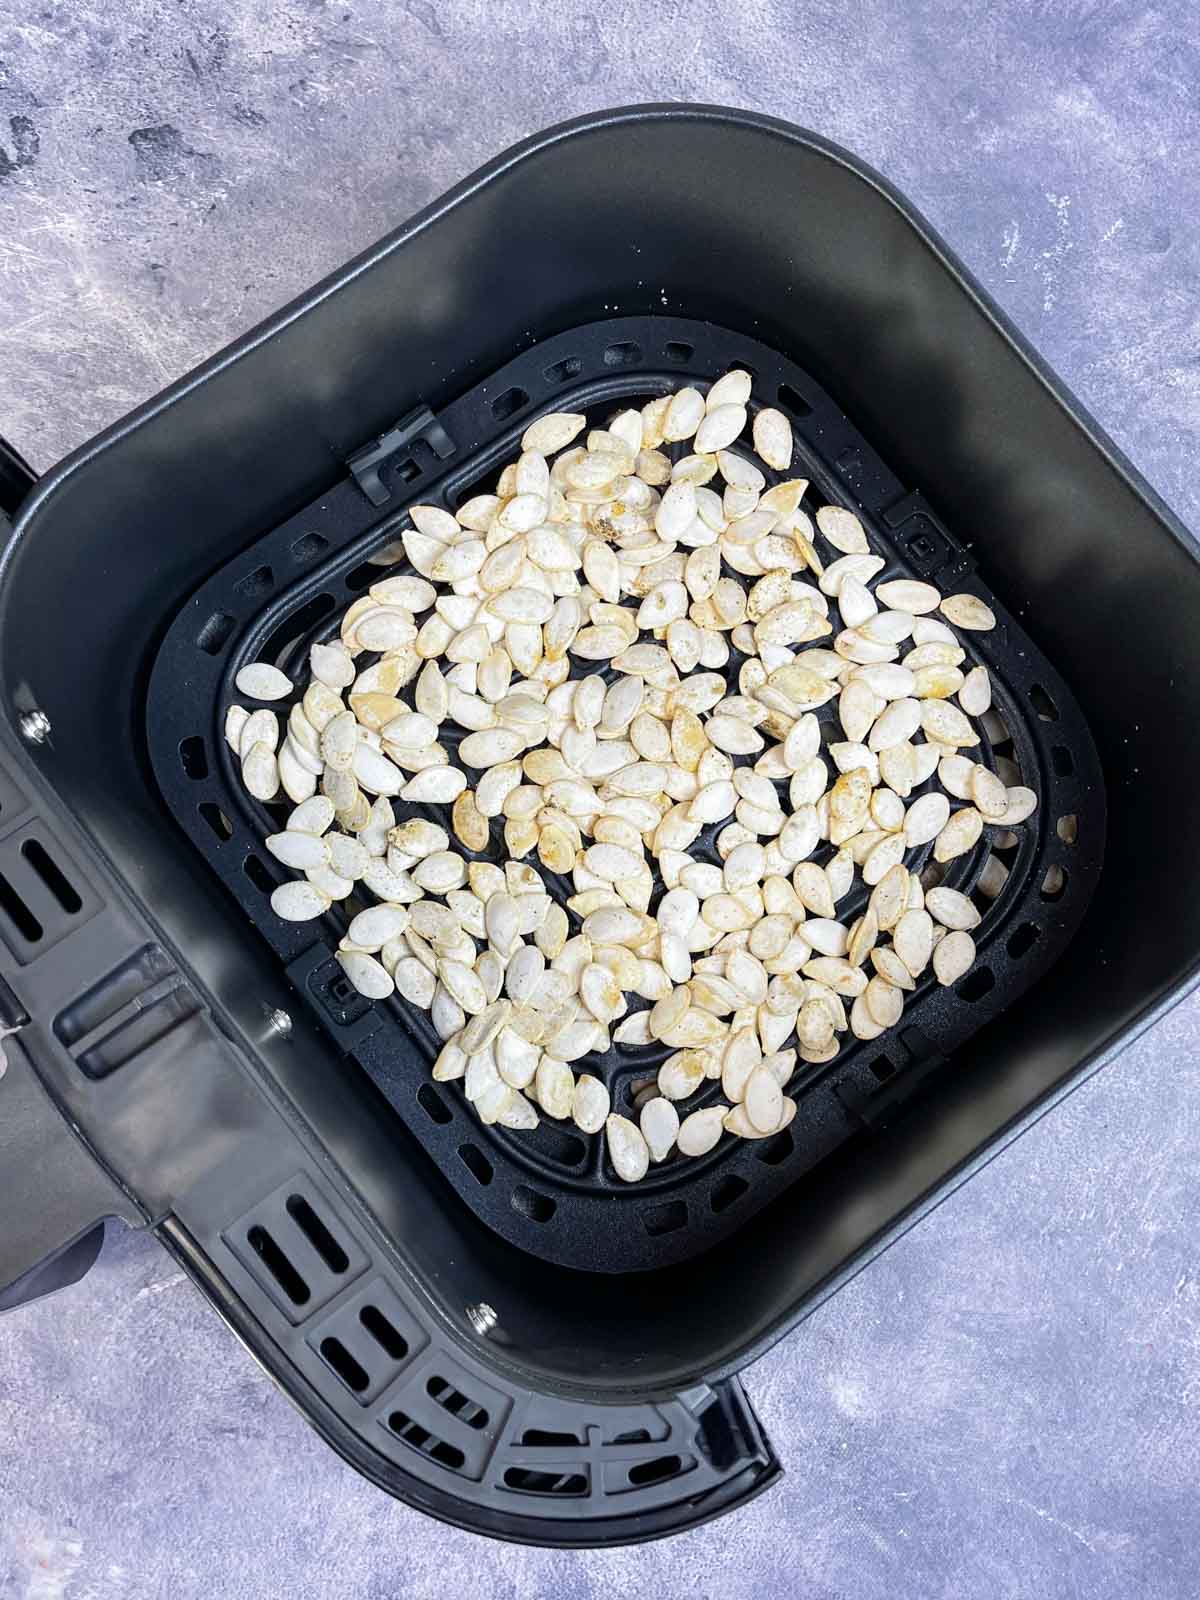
(553,1191)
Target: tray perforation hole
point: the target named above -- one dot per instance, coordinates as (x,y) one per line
(259,874)
(1022,940)
(348,1369)
(656,1471)
(389,1339)
(193,758)
(666,1218)
(624,353)
(1067,828)
(308,547)
(530,1480)
(678,351)
(532,1204)
(978,982)
(456,1403)
(317,1234)
(1041,702)
(727,1192)
(563,371)
(431,1102)
(1062,761)
(214,635)
(509,403)
(363,576)
(882,1068)
(419,1438)
(476,1163)
(772,1151)
(216,820)
(256,585)
(793,401)
(278,1265)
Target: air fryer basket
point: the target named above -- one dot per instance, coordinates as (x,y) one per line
(176,1058)
(553,1192)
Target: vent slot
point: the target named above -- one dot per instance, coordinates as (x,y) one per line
(623,354)
(537,1207)
(364,575)
(141,1032)
(389,1339)
(773,1151)
(429,1100)
(52,875)
(256,585)
(216,820)
(278,1265)
(214,635)
(343,1363)
(563,371)
(679,352)
(667,1218)
(317,1234)
(727,1192)
(259,874)
(976,984)
(1042,704)
(656,1471)
(308,547)
(508,404)
(456,1403)
(1023,939)
(476,1163)
(794,401)
(419,1438)
(530,1481)
(18,913)
(194,758)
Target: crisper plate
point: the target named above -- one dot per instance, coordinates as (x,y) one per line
(553,1191)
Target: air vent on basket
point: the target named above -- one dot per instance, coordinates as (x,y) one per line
(531,1480)
(419,1438)
(456,1403)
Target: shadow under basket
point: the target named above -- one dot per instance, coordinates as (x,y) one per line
(489,1324)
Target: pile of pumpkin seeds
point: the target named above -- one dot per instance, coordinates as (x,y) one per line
(612,554)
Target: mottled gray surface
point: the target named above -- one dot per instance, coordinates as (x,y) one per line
(1007,1404)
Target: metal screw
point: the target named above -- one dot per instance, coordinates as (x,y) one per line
(279,1024)
(482,1317)
(35,726)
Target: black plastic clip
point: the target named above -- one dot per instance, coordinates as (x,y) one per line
(365,464)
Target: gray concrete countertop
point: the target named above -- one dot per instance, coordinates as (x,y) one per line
(1007,1403)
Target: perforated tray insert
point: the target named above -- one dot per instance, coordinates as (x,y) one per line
(553,1191)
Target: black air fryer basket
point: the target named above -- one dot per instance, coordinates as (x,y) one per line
(490,1325)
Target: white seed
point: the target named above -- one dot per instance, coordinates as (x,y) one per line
(367,975)
(773,438)
(312,816)
(763,1100)
(436,785)
(299,850)
(912,940)
(659,1124)
(925,819)
(720,427)
(959,835)
(260,772)
(299,902)
(684,414)
(968,611)
(553,432)
(1022,803)
(700,1132)
(953,957)
(261,681)
(627,1149)
(907,594)
(952,909)
(843,530)
(590,1104)
(975,696)
(554,1085)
